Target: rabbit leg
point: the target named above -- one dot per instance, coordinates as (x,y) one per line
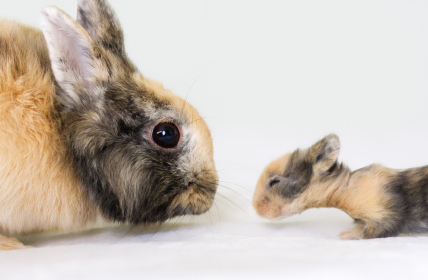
(10,243)
(369,229)
(357,232)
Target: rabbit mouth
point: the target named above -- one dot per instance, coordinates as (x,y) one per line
(194,200)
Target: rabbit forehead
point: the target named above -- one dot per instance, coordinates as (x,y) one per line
(277,166)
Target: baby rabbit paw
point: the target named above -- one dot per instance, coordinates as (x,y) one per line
(355,233)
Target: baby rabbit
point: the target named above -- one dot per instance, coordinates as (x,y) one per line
(83,134)
(383,202)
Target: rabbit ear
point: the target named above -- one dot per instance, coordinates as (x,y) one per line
(101,23)
(73,61)
(325,152)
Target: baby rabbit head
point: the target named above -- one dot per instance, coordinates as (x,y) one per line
(296,181)
(141,153)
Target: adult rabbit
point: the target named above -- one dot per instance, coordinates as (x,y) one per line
(83,134)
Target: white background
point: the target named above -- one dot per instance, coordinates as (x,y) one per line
(268,77)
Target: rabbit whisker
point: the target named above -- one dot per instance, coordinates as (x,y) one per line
(222,196)
(244,188)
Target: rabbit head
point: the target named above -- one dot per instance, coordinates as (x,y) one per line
(141,153)
(298,180)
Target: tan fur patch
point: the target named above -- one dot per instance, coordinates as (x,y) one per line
(38,187)
(364,197)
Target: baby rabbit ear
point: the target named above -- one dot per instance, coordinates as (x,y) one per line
(324,153)
(73,61)
(102,25)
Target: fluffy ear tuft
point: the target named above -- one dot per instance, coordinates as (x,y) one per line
(102,25)
(72,57)
(324,153)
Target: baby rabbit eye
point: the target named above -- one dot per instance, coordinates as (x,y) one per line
(273,183)
(166,135)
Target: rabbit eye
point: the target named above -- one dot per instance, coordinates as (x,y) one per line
(166,135)
(273,183)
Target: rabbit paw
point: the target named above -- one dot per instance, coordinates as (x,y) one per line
(355,233)
(10,243)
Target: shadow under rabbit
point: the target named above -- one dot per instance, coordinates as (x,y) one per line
(105,235)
